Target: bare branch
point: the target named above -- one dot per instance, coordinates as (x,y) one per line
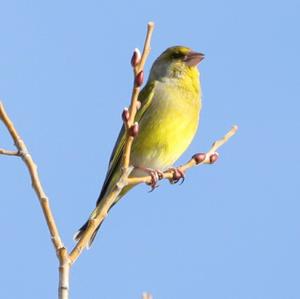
(23,152)
(146,295)
(147,47)
(128,116)
(207,159)
(64,274)
(138,70)
(35,179)
(9,153)
(94,223)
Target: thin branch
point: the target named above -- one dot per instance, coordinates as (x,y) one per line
(64,266)
(147,47)
(94,223)
(9,153)
(146,296)
(138,69)
(202,158)
(131,131)
(35,179)
(217,144)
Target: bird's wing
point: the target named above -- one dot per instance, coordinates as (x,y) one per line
(145,98)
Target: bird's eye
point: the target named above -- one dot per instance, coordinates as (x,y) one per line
(176,55)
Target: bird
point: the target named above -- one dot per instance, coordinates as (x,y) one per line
(168,117)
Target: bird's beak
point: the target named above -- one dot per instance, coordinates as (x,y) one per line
(193,58)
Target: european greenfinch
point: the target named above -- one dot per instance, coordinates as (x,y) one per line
(168,118)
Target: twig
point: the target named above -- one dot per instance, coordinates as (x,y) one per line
(138,69)
(43,199)
(94,223)
(35,180)
(131,131)
(8,152)
(65,259)
(146,295)
(198,159)
(147,47)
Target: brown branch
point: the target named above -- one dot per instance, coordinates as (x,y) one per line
(65,259)
(146,296)
(138,70)
(35,179)
(9,153)
(131,131)
(43,199)
(202,158)
(94,223)
(64,273)
(147,48)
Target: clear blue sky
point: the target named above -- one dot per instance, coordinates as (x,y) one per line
(232,230)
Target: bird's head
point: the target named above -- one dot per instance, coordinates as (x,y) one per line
(176,62)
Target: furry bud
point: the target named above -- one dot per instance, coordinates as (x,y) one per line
(213,158)
(125,114)
(199,158)
(136,57)
(134,130)
(139,79)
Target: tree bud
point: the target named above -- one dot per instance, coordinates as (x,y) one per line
(139,79)
(134,130)
(199,158)
(136,57)
(125,114)
(213,158)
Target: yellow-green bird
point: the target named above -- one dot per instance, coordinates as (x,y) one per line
(168,119)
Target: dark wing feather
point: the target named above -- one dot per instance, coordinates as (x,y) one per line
(145,97)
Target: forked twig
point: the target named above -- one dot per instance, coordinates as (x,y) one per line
(35,179)
(64,263)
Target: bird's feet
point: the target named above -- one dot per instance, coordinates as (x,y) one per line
(178,175)
(156,175)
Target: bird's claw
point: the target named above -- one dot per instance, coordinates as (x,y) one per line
(178,175)
(156,175)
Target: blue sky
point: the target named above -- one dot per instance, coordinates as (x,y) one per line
(232,230)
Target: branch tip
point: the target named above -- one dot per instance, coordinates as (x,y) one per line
(150,24)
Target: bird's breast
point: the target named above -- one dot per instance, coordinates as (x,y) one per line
(167,127)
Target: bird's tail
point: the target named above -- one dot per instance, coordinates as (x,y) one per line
(94,214)
(81,231)
(78,235)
